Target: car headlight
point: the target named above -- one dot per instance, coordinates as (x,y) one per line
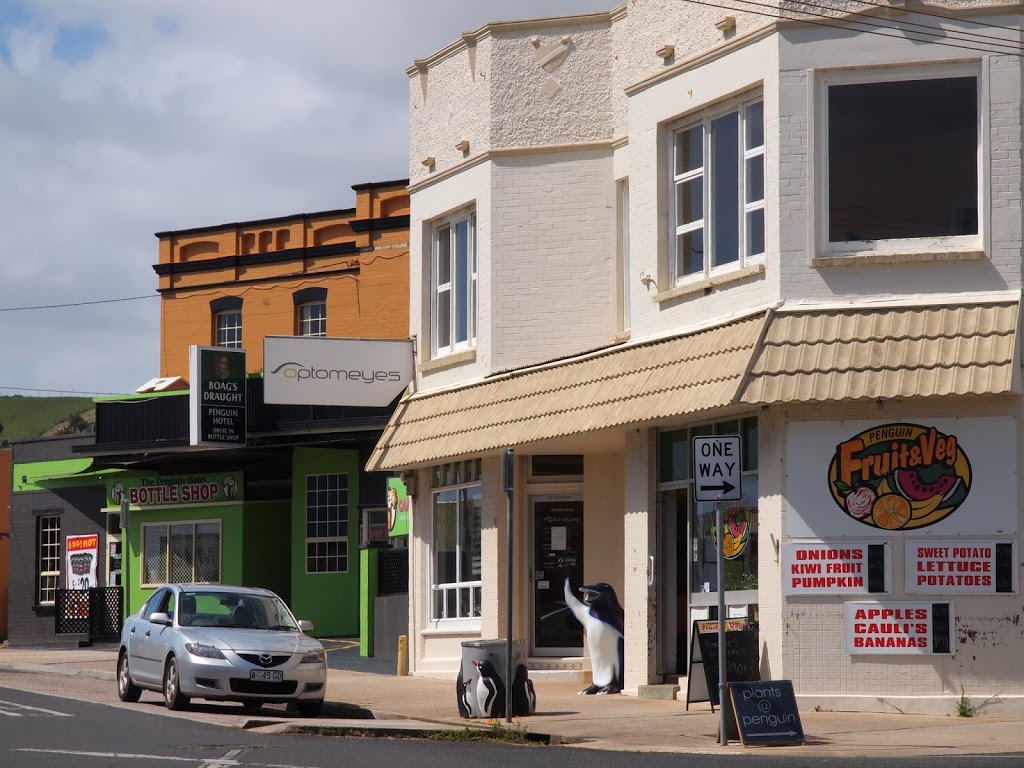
(204,651)
(314,657)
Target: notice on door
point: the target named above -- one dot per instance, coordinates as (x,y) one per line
(558,537)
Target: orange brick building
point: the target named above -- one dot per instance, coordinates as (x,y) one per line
(314,274)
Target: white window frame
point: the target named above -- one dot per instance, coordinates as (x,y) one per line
(312,325)
(342,521)
(447,617)
(48,557)
(950,244)
(706,223)
(440,229)
(168,524)
(223,330)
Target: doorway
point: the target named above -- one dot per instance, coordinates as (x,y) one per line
(557,554)
(673,582)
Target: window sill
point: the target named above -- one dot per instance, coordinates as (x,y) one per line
(709,284)
(620,336)
(452,627)
(860,258)
(448,361)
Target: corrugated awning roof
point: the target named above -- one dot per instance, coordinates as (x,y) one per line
(891,352)
(812,355)
(648,381)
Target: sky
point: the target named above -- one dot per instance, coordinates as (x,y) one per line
(122,118)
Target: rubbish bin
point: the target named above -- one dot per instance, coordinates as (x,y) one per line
(473,698)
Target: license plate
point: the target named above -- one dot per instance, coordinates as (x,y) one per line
(267,675)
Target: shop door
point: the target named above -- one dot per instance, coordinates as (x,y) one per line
(557,555)
(673,583)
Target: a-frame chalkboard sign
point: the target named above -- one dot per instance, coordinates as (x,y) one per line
(741,661)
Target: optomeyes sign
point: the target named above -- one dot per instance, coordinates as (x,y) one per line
(900,476)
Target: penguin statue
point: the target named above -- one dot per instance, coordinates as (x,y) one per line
(602,617)
(465,695)
(524,698)
(490,691)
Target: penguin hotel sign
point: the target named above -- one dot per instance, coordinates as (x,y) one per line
(216,396)
(300,370)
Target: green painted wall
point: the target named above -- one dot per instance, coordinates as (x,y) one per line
(266,547)
(329,600)
(231,539)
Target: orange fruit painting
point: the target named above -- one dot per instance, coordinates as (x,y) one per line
(891,511)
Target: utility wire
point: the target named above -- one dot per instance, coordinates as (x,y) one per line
(945,17)
(79,303)
(800,16)
(61,391)
(969,37)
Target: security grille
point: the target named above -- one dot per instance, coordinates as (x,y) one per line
(393,572)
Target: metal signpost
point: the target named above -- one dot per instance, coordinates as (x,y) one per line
(716,477)
(507,477)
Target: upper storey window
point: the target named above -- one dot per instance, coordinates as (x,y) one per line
(901,165)
(717,205)
(311,311)
(227,321)
(454,283)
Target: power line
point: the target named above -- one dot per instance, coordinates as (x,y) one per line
(62,391)
(796,15)
(968,37)
(79,303)
(946,17)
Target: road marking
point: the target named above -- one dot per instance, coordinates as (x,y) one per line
(202,762)
(30,709)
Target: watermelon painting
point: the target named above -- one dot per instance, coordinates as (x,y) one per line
(900,477)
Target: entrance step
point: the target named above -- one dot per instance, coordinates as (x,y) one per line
(666,691)
(560,670)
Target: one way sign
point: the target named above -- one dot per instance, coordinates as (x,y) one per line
(716,468)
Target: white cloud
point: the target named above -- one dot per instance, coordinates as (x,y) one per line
(124,118)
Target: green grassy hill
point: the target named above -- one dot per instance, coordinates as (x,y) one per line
(34,416)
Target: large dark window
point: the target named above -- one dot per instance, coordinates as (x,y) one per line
(903,159)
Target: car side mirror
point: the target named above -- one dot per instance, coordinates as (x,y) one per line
(305,626)
(160,618)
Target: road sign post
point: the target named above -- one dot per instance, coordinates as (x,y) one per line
(717,478)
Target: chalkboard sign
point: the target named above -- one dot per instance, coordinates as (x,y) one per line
(741,663)
(766,713)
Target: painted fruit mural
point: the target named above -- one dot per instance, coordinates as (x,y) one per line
(736,521)
(900,476)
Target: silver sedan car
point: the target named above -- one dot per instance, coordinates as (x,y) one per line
(209,641)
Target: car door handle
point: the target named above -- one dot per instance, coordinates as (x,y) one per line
(132,631)
(147,632)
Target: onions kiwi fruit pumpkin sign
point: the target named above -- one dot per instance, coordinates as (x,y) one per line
(900,477)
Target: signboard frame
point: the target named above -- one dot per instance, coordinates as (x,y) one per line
(217,396)
(717,468)
(756,703)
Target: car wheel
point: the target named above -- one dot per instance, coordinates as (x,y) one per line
(173,697)
(252,705)
(309,708)
(126,689)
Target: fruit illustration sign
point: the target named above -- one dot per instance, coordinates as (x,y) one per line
(900,476)
(920,478)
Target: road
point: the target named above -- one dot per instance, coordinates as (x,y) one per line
(76,722)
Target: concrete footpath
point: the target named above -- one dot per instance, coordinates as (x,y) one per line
(389,705)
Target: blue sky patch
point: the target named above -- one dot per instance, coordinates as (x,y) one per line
(77,43)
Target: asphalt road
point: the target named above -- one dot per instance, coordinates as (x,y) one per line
(77,722)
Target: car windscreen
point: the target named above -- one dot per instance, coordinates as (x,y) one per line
(234,609)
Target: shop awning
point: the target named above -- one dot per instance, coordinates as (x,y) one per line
(625,385)
(893,352)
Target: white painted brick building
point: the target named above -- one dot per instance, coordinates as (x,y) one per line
(638,226)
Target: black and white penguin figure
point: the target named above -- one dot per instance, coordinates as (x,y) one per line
(465,695)
(524,697)
(490,691)
(602,617)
